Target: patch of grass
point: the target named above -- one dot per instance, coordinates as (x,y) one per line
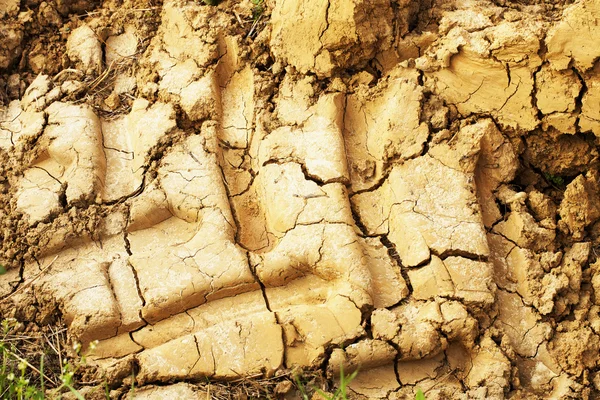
(14,381)
(339,394)
(50,377)
(555,180)
(258,9)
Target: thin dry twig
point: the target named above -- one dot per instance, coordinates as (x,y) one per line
(67,71)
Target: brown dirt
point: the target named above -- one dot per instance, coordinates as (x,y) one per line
(230,192)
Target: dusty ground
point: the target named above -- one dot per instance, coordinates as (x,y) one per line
(219,192)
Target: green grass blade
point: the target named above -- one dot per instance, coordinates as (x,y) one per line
(301,388)
(419,395)
(42,372)
(75,392)
(324,395)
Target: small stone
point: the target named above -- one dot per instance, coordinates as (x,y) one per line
(283,387)
(112,101)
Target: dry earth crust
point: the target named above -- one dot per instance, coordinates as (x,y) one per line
(406,187)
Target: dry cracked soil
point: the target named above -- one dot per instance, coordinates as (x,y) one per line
(407,187)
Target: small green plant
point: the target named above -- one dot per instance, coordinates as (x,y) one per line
(258,9)
(555,180)
(301,387)
(14,384)
(211,2)
(339,394)
(132,389)
(257,14)
(419,395)
(16,373)
(3,269)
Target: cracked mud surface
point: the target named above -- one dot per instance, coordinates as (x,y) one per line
(406,187)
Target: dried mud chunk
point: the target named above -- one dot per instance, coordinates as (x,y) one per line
(34,96)
(75,139)
(574,37)
(538,279)
(336,34)
(318,144)
(66,7)
(9,8)
(458,325)
(181,391)
(84,49)
(183,277)
(181,50)
(426,374)
(123,280)
(413,371)
(560,154)
(11,37)
(311,327)
(422,329)
(556,97)
(127,142)
(521,324)
(575,349)
(581,204)
(183,35)
(572,267)
(374,132)
(199,239)
(48,15)
(542,375)
(363,354)
(459,277)
(490,369)
(237,108)
(38,195)
(197,99)
(466,144)
(513,266)
(497,164)
(388,286)
(522,229)
(374,383)
(72,157)
(296,99)
(416,207)
(10,281)
(18,126)
(82,288)
(542,206)
(590,110)
(121,46)
(305,250)
(291,201)
(225,350)
(487,75)
(197,319)
(556,91)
